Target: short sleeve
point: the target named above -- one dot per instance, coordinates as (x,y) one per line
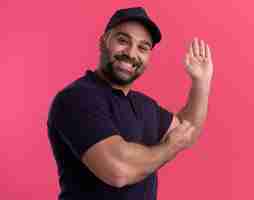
(165,118)
(82,118)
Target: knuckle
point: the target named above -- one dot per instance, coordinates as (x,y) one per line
(186,122)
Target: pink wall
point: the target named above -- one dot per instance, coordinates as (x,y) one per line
(46,44)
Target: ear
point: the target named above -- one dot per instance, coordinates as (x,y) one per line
(103,41)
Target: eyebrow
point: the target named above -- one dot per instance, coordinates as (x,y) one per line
(128,36)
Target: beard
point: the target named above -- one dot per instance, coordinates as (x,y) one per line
(112,70)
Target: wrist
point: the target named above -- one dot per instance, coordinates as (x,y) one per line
(200,84)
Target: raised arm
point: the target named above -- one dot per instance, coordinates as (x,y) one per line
(199,66)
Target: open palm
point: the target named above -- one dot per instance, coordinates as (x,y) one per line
(198,61)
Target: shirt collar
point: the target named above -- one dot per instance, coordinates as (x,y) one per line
(104,83)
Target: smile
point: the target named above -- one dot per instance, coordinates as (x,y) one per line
(127,67)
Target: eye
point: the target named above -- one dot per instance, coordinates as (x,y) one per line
(144,48)
(122,40)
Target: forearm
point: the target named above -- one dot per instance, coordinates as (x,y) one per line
(196,107)
(144,160)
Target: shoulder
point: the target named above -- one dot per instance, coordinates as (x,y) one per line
(82,87)
(146,102)
(77,97)
(143,97)
(79,93)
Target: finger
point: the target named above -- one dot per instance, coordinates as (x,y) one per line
(185,125)
(202,48)
(182,127)
(186,122)
(207,51)
(195,47)
(188,133)
(190,130)
(164,137)
(191,53)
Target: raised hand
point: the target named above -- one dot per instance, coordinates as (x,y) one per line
(198,61)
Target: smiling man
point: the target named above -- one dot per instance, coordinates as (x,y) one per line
(108,140)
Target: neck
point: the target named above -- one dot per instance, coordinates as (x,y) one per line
(125,88)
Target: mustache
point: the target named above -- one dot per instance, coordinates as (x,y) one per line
(126,58)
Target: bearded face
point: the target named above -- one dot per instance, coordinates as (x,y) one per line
(120,68)
(122,59)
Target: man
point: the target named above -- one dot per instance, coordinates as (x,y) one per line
(108,140)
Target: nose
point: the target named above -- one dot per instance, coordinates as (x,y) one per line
(131,52)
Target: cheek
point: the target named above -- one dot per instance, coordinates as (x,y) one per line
(141,69)
(108,55)
(145,59)
(112,52)
(115,48)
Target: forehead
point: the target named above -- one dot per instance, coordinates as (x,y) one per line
(134,29)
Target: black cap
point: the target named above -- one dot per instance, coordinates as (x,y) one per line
(135,14)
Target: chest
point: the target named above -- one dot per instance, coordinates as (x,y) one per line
(136,121)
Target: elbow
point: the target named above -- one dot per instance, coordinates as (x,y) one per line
(120,177)
(110,164)
(124,173)
(114,173)
(118,181)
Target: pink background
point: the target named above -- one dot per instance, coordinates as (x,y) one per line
(46,44)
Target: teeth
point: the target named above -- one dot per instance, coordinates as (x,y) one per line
(126,66)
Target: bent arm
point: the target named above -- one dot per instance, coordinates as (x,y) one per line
(195,111)
(120,163)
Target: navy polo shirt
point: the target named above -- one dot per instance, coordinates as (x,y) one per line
(89,110)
